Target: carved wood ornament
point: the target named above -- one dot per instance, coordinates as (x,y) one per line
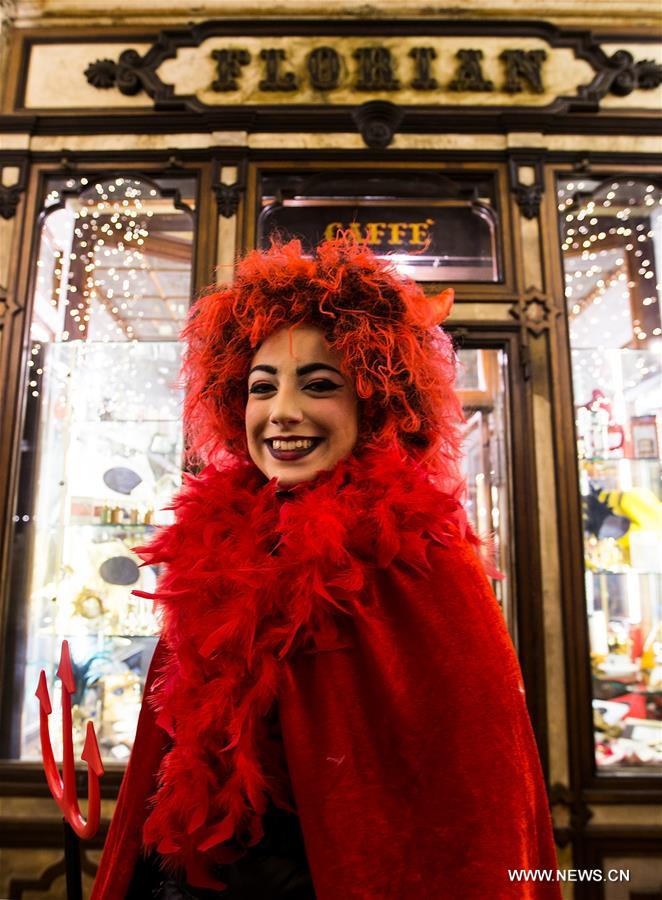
(373,67)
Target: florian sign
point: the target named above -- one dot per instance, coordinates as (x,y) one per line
(376,69)
(302,75)
(213,65)
(338,71)
(319,70)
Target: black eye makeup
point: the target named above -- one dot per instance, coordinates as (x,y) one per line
(261,387)
(322,385)
(318,386)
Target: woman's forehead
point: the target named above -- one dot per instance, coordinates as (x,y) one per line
(294,346)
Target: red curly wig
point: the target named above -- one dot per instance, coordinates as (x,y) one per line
(381,325)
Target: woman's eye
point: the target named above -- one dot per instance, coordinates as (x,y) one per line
(321,385)
(261,387)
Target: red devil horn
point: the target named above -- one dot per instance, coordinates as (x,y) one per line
(440,306)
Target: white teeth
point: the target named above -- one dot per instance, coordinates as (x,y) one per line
(292,445)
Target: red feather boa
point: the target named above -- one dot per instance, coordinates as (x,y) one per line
(252,576)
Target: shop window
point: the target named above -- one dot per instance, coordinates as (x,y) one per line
(434,227)
(482,388)
(612,254)
(101,446)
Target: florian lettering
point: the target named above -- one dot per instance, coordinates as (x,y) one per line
(324,68)
(274,79)
(469,76)
(396,234)
(523,66)
(423,80)
(376,72)
(228,68)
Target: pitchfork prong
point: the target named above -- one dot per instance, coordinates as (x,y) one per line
(55,783)
(63,788)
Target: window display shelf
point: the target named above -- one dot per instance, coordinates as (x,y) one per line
(104,423)
(644,460)
(122,635)
(626,570)
(120,526)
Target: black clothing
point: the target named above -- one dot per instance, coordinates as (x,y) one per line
(275,869)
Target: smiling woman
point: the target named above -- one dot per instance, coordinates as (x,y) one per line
(379,332)
(301,414)
(315,722)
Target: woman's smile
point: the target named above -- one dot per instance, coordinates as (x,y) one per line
(292,448)
(301,413)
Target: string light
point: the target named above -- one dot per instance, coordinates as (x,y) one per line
(93,279)
(612,293)
(593,228)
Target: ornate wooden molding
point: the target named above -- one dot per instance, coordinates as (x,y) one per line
(228,196)
(18,887)
(127,74)
(617,74)
(10,194)
(373,68)
(580,813)
(9,197)
(534,312)
(377,121)
(628,75)
(528,196)
(4,305)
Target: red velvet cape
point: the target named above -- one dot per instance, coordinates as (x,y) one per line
(358,603)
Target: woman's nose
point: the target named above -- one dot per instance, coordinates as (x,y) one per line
(285,409)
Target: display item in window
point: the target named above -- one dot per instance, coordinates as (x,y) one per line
(121,479)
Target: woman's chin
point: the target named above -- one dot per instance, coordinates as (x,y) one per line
(289,473)
(290,477)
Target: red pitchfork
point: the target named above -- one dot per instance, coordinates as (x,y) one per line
(63,788)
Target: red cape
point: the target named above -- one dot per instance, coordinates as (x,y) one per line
(411,757)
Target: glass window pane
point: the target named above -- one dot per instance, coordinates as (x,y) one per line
(102,443)
(434,227)
(482,386)
(612,255)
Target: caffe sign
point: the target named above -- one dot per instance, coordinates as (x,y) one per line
(432,240)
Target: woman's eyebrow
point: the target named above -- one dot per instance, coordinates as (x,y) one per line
(301,370)
(312,367)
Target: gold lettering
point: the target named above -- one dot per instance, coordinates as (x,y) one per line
(355,228)
(330,230)
(374,232)
(396,229)
(419,231)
